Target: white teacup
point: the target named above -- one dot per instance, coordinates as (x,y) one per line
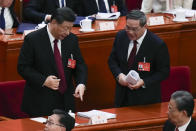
(180,14)
(86,24)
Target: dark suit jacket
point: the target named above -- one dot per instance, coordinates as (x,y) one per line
(194,4)
(156,53)
(36,62)
(90,7)
(15,19)
(36,10)
(168,126)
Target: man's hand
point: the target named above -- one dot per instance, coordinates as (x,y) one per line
(1,31)
(48,18)
(52,82)
(121,79)
(139,84)
(79,92)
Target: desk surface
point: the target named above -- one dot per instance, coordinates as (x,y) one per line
(126,117)
(136,117)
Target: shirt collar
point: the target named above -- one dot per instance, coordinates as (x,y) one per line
(51,37)
(139,41)
(183,127)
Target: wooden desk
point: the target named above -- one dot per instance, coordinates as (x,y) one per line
(136,118)
(96,47)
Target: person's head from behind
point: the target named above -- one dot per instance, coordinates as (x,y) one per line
(5,3)
(59,121)
(61,22)
(180,107)
(135,24)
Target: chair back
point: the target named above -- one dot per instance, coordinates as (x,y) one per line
(11,93)
(179,79)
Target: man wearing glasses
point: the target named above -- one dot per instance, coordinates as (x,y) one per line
(59,121)
(180,110)
(136,48)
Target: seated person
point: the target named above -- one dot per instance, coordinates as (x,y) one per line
(7,16)
(91,7)
(59,121)
(37,11)
(180,110)
(160,5)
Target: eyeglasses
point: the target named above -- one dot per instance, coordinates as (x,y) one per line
(134,29)
(52,123)
(170,109)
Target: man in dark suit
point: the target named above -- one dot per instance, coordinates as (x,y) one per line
(7,11)
(48,60)
(37,11)
(136,48)
(180,110)
(59,121)
(91,7)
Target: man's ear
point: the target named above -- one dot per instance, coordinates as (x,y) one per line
(185,113)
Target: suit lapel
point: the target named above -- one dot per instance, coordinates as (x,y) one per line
(94,3)
(143,46)
(48,51)
(125,48)
(57,3)
(65,54)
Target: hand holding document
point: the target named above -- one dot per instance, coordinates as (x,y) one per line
(132,77)
(108,16)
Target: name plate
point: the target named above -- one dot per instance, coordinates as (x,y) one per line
(156,20)
(106,26)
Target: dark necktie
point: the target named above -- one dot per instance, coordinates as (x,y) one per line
(62,3)
(2,19)
(62,84)
(132,54)
(102,7)
(176,129)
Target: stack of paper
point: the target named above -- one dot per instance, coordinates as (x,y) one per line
(132,77)
(107,16)
(90,114)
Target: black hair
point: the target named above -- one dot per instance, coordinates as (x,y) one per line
(184,101)
(137,15)
(65,119)
(63,14)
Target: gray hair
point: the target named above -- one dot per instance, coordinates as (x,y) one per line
(184,101)
(137,15)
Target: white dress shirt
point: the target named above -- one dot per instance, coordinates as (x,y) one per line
(8,18)
(139,41)
(60,4)
(106,5)
(183,128)
(51,37)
